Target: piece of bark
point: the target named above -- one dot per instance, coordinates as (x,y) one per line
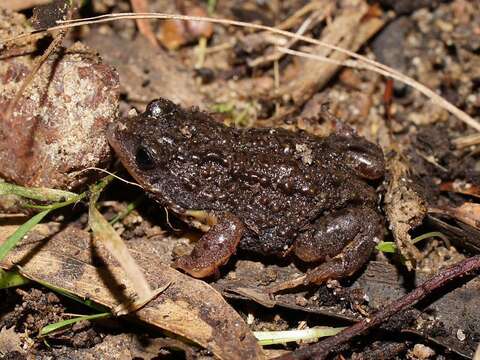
(405,208)
(349,30)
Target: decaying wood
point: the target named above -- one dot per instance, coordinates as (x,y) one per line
(404,207)
(188,307)
(349,30)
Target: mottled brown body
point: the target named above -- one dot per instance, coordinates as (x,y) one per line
(289,191)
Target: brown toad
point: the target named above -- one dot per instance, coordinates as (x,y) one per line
(270,191)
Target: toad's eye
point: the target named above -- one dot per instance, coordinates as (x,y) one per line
(144,158)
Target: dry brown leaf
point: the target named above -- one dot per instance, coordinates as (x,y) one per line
(461,187)
(175,33)
(404,207)
(468,213)
(188,307)
(141,6)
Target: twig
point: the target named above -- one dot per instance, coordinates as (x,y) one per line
(300,13)
(466,141)
(301,30)
(321,349)
(373,65)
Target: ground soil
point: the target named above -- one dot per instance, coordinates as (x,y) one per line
(434,42)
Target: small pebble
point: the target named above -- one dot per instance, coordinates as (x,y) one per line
(301,301)
(421,351)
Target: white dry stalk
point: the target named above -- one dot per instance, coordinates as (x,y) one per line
(363,62)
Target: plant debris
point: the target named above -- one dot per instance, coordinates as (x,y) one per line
(67,296)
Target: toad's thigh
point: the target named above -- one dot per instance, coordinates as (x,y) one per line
(330,234)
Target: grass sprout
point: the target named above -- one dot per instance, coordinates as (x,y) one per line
(391,247)
(48,329)
(106,235)
(281,337)
(130,207)
(42,194)
(18,235)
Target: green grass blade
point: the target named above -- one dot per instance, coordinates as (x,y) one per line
(11,279)
(391,247)
(61,324)
(43,194)
(130,207)
(430,235)
(23,229)
(281,337)
(386,247)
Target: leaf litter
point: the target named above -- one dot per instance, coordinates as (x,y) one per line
(405,222)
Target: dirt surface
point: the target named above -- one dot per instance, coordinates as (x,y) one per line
(100,72)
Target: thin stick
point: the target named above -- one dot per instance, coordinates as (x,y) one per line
(277,55)
(375,66)
(321,349)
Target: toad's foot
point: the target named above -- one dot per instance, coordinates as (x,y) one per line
(214,248)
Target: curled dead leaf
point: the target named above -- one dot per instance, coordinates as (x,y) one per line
(175,33)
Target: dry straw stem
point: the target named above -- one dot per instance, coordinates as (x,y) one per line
(363,62)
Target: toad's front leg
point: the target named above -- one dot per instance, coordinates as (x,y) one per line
(214,248)
(342,241)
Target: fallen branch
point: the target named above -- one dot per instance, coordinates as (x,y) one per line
(321,349)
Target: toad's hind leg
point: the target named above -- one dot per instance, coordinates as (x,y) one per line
(214,248)
(359,229)
(342,241)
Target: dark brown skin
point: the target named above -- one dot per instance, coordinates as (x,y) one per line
(270,191)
